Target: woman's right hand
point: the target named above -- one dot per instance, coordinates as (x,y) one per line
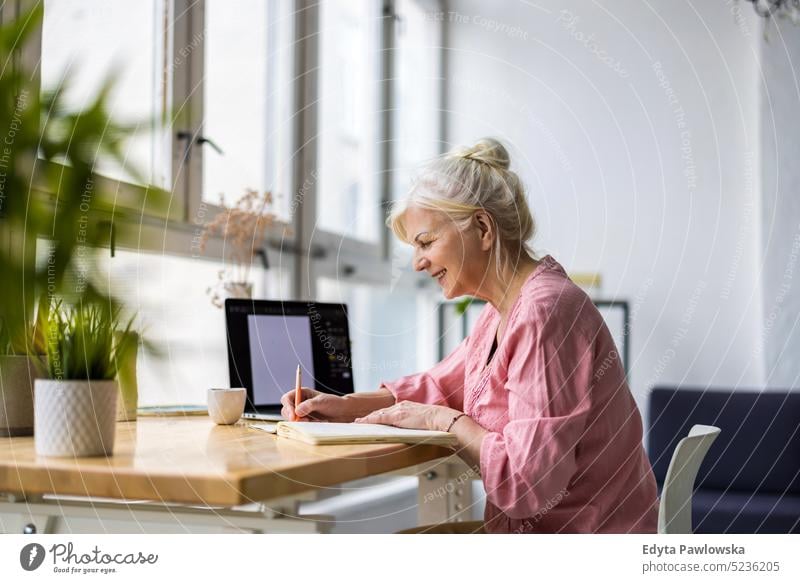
(317,406)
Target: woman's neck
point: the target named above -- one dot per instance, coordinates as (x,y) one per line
(502,291)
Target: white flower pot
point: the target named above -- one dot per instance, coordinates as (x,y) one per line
(74,418)
(17,374)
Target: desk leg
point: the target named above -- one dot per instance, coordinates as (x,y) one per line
(445,492)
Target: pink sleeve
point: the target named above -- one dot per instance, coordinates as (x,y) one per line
(443,384)
(549,398)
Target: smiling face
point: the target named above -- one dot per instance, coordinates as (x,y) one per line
(457,259)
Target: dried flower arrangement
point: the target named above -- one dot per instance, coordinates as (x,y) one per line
(243,229)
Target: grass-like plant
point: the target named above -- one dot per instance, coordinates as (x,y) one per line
(85,341)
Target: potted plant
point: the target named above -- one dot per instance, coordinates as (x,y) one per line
(75,406)
(243,230)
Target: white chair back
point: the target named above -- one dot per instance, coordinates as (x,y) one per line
(675,507)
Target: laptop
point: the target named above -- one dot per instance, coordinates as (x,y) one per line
(267,340)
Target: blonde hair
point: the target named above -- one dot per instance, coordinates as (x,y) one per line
(466,180)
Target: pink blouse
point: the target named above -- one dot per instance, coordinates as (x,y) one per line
(564,449)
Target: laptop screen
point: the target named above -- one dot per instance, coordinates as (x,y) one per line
(268,339)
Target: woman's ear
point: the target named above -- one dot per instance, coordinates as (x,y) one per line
(486,231)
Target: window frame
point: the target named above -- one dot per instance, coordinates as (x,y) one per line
(314,253)
(351,259)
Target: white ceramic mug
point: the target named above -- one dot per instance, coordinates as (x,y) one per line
(225,406)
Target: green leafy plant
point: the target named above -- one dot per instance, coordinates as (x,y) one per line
(86,341)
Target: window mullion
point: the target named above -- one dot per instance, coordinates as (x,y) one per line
(187,99)
(306,61)
(386,110)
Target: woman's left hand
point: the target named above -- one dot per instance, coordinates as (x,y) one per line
(410,415)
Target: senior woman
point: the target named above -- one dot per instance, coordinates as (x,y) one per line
(536,394)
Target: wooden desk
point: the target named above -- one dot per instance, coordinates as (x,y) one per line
(189,460)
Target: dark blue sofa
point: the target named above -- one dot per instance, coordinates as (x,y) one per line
(750,479)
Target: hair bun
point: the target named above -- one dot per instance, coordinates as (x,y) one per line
(488,151)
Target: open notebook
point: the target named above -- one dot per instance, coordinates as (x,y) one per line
(343,433)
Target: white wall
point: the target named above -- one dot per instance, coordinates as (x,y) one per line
(636,128)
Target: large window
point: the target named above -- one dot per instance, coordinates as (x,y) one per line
(86,43)
(330,105)
(246,102)
(348,139)
(416,95)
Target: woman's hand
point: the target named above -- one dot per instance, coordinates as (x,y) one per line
(412,415)
(316,406)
